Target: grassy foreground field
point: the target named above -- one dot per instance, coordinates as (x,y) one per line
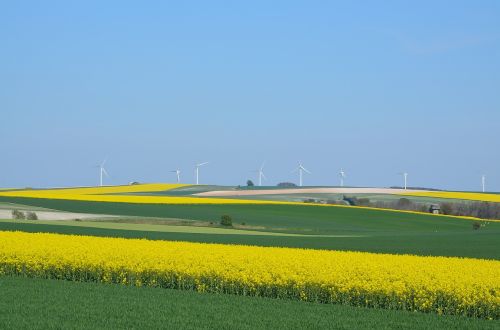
(36,303)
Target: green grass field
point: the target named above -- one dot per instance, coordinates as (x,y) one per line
(40,304)
(300,219)
(320,227)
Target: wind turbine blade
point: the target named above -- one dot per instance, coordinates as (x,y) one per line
(262,166)
(105,172)
(263,175)
(201,164)
(305,170)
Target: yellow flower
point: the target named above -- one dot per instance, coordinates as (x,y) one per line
(439,284)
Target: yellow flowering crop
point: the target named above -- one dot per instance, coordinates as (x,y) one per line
(135,199)
(456,195)
(112,194)
(43,193)
(428,284)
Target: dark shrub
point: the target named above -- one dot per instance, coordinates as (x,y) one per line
(31,216)
(226,220)
(18,215)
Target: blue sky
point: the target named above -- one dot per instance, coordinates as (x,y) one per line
(152,86)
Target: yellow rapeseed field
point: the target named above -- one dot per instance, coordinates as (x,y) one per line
(112,194)
(457,195)
(42,193)
(135,199)
(428,284)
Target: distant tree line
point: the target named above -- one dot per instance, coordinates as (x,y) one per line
(286,184)
(482,210)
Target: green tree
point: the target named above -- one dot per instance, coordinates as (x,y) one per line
(31,216)
(226,220)
(18,215)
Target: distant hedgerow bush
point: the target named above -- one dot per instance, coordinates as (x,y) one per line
(31,216)
(226,220)
(18,215)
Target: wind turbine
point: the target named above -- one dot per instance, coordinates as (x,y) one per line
(102,172)
(197,170)
(260,174)
(178,173)
(405,176)
(342,176)
(301,169)
(483,182)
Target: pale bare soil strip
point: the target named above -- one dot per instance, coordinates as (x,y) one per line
(227,193)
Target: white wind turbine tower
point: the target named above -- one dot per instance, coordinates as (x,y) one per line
(483,182)
(178,173)
(102,172)
(405,176)
(342,176)
(301,169)
(197,170)
(260,173)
